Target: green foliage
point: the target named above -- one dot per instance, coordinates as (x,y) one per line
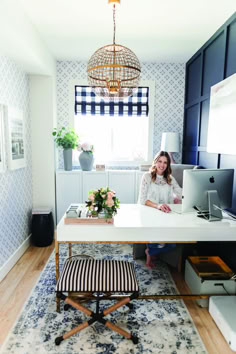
(103,199)
(66,138)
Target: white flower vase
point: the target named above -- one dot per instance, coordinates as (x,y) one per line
(86,161)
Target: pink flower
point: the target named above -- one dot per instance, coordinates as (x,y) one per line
(91,197)
(86,147)
(110,195)
(109,203)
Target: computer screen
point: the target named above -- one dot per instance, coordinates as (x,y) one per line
(197,183)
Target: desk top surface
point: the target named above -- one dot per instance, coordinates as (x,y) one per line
(139,223)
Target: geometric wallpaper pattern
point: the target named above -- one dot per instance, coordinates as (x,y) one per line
(169,96)
(15,185)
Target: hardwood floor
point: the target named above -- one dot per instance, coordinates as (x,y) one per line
(17,285)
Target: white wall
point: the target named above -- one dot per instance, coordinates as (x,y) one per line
(20,41)
(42,108)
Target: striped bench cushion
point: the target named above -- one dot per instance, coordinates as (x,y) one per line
(90,275)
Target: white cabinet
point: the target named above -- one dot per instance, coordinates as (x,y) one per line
(68,190)
(74,186)
(123,183)
(93,180)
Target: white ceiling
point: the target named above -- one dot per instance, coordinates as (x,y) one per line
(156,30)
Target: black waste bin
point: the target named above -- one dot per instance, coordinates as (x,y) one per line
(42,227)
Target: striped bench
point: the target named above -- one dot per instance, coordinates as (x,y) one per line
(97,277)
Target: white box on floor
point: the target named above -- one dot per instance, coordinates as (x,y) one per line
(198,285)
(223,312)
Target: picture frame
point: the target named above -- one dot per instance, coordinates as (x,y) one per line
(2,140)
(16,139)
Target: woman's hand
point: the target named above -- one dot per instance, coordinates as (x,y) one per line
(164,207)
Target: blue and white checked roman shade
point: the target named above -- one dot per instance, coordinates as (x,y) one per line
(86,102)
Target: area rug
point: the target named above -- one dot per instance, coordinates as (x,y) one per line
(162,326)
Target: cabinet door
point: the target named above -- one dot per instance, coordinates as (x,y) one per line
(68,190)
(139,175)
(93,180)
(123,183)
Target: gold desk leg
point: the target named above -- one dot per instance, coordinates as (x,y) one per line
(70,249)
(57,271)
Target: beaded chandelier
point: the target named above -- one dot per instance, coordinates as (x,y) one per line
(114,70)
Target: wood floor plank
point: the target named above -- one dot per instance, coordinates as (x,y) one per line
(18,284)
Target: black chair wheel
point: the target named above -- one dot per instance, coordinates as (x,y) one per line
(134,339)
(58,340)
(67,307)
(130,306)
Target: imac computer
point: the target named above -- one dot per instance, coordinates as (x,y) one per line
(207,190)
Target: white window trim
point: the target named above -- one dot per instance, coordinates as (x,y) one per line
(146,83)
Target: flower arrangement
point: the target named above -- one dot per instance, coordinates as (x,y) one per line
(103,199)
(66,138)
(86,147)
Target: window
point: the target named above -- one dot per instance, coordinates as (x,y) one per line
(120,132)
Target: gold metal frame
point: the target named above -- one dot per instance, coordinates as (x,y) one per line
(114,70)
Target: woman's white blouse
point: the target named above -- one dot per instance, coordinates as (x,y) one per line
(159,191)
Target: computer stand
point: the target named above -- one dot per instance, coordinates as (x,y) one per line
(214,212)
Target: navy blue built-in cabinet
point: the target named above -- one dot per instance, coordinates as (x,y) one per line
(215,61)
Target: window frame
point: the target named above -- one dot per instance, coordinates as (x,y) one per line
(147,83)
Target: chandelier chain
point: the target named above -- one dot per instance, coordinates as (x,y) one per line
(114,23)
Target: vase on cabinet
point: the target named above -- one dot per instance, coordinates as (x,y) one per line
(86,161)
(67,155)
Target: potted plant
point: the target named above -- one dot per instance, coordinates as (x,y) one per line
(67,139)
(86,156)
(103,201)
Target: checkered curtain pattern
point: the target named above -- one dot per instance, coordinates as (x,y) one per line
(86,102)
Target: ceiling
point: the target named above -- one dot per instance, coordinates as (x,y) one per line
(156,30)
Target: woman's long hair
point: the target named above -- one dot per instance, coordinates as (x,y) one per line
(168,170)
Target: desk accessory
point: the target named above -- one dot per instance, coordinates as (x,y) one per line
(89,221)
(208,275)
(79,214)
(100,167)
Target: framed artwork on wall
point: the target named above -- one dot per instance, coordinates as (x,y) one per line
(16,138)
(2,141)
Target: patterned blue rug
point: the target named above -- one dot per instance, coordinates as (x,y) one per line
(162,326)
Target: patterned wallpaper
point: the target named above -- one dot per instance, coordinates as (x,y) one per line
(169,96)
(16,185)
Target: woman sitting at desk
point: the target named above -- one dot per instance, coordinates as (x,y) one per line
(158,188)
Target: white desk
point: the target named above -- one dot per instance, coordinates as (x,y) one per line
(136,223)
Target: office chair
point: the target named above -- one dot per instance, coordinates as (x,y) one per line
(101,278)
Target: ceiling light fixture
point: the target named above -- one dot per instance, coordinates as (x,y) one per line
(114,70)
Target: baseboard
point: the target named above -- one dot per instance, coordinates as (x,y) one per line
(9,264)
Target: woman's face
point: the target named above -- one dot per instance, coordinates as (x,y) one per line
(161,165)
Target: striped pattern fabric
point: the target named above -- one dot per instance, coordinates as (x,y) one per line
(90,275)
(86,102)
